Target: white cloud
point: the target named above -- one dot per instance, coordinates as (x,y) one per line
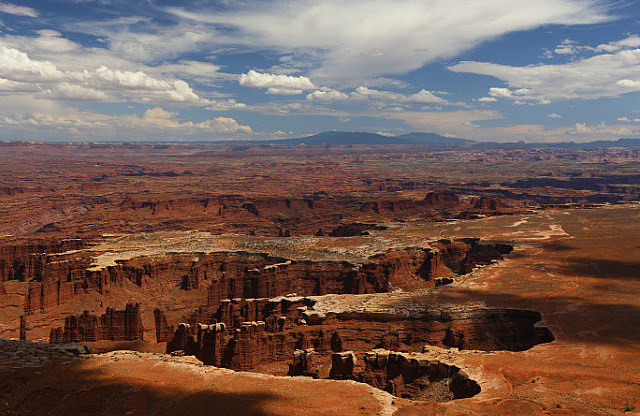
(628,83)
(17,10)
(151,47)
(425,97)
(632,41)
(52,41)
(367,38)
(500,92)
(72,92)
(18,67)
(603,75)
(487,99)
(601,129)
(459,123)
(567,47)
(468,124)
(13,87)
(554,115)
(283,91)
(44,119)
(327,96)
(161,118)
(225,105)
(202,72)
(571,47)
(421,97)
(276,84)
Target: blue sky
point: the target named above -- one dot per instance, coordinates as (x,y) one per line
(489,70)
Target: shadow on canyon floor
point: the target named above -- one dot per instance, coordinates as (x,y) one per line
(602,268)
(569,318)
(73,390)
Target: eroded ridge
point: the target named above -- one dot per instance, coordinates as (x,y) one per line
(296,326)
(261,310)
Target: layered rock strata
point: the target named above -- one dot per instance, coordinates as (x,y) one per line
(249,344)
(416,376)
(113,325)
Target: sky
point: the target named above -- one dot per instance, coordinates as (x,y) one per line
(198,70)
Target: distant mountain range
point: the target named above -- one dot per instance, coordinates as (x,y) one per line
(359,137)
(332,138)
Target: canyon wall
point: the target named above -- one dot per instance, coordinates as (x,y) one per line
(245,345)
(113,325)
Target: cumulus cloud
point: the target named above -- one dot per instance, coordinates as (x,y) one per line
(276,84)
(628,84)
(554,115)
(225,105)
(16,66)
(601,129)
(161,118)
(327,96)
(602,75)
(487,99)
(72,92)
(17,10)
(365,38)
(566,48)
(421,97)
(44,119)
(571,47)
(13,87)
(632,41)
(500,92)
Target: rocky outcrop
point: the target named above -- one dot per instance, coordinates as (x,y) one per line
(409,269)
(246,345)
(463,254)
(47,295)
(489,204)
(56,278)
(23,328)
(164,332)
(352,230)
(441,198)
(113,325)
(416,376)
(24,261)
(304,363)
(342,365)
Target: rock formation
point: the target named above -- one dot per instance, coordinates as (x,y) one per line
(164,332)
(304,363)
(23,328)
(113,325)
(416,376)
(342,365)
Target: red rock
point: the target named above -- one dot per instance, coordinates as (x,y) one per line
(342,365)
(164,332)
(416,376)
(23,328)
(441,198)
(304,363)
(486,203)
(113,325)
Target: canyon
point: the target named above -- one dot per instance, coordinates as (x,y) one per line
(361,268)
